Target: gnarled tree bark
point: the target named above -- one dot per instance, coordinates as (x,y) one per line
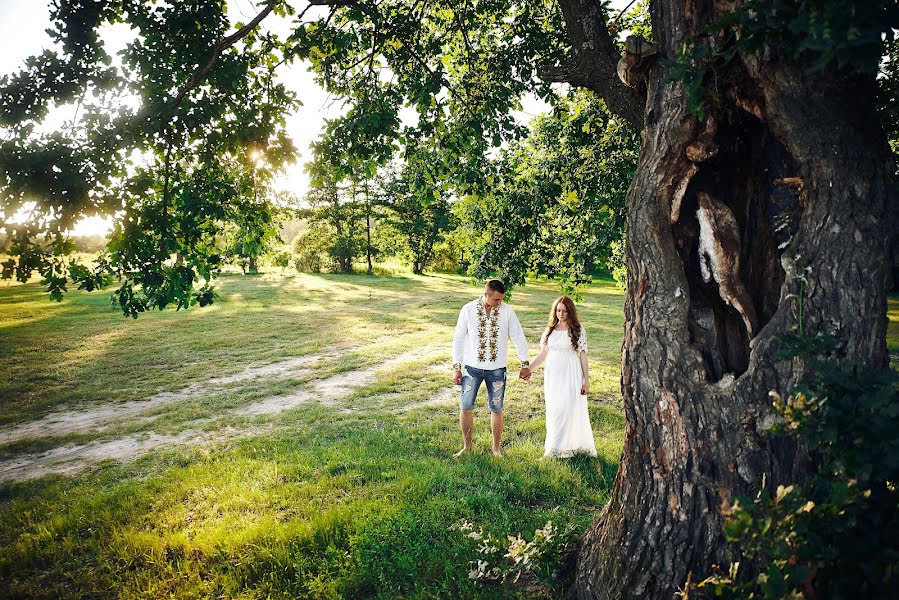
(782,197)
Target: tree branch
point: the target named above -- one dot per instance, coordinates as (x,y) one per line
(595,61)
(226,43)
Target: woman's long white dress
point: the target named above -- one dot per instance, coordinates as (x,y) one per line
(568,429)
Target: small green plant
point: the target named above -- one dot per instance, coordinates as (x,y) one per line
(508,561)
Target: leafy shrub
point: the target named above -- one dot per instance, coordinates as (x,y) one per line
(310,250)
(617,263)
(837,535)
(280,258)
(448,257)
(321,248)
(341,252)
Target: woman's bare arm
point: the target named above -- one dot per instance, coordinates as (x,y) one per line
(585,369)
(538,360)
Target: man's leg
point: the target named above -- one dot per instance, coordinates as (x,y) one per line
(496,393)
(471,381)
(466,419)
(496,426)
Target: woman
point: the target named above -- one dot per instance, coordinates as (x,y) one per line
(565,382)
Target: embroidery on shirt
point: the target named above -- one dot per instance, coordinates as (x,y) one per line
(488,332)
(494,333)
(482,325)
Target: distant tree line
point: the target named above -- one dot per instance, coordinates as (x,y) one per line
(550,203)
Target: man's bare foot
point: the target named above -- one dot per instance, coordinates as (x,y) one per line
(497,452)
(461,452)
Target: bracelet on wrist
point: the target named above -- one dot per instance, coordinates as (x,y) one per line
(525,364)
(457,366)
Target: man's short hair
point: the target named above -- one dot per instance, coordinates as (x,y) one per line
(496,285)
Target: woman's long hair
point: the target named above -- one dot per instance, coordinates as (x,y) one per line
(574,326)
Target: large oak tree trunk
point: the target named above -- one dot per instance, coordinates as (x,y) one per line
(777,207)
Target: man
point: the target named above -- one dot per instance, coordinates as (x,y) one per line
(480,347)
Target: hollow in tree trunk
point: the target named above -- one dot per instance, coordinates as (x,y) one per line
(777,207)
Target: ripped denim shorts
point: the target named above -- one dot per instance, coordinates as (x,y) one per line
(496,387)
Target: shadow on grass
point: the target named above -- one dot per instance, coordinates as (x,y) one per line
(595,471)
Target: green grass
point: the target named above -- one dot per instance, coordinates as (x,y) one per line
(351,499)
(354,499)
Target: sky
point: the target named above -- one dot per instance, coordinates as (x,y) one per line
(22,34)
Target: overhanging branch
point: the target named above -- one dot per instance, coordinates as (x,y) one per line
(223,45)
(595,60)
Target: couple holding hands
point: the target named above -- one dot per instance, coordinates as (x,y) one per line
(480,345)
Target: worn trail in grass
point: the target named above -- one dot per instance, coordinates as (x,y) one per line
(72,458)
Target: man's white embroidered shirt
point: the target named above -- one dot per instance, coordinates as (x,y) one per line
(482,340)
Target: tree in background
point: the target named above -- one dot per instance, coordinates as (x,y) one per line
(252,234)
(346,161)
(251,226)
(555,203)
(339,222)
(363,197)
(417,209)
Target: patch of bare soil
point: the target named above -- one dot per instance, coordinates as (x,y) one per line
(99,418)
(70,459)
(278,370)
(328,391)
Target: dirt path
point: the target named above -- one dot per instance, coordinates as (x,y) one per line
(99,418)
(70,459)
(328,391)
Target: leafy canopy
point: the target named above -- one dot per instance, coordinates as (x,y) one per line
(162,129)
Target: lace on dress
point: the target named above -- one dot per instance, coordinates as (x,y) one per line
(582,341)
(568,428)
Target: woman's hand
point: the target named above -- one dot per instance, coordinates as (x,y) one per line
(585,388)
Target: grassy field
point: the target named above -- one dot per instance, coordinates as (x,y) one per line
(349,491)
(292,440)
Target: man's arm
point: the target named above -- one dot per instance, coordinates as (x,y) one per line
(516,334)
(459,345)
